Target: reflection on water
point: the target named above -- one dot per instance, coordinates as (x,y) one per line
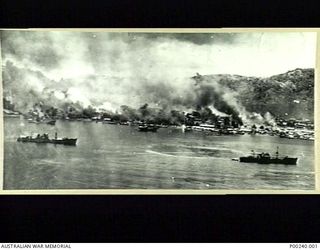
(120,157)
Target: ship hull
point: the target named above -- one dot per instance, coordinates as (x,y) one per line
(52,122)
(148,129)
(285,161)
(71,142)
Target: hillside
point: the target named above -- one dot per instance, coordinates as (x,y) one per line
(290,94)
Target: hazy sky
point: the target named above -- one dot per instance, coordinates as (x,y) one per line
(79,54)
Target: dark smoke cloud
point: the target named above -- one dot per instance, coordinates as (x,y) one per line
(108,70)
(207,95)
(30,46)
(196,38)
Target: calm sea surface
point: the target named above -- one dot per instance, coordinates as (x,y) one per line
(120,157)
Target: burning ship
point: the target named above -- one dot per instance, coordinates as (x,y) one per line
(266,158)
(45,139)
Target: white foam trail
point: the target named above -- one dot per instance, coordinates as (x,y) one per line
(213,148)
(182,156)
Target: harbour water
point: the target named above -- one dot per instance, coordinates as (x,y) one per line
(119,157)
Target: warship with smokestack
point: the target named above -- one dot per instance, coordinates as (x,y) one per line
(44,138)
(266,158)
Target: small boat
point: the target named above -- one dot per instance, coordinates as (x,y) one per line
(266,158)
(148,128)
(43,121)
(124,123)
(45,139)
(86,120)
(108,121)
(51,122)
(30,120)
(185,128)
(10,113)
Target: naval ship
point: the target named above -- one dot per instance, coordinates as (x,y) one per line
(266,158)
(45,139)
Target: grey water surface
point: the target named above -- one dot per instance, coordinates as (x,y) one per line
(119,157)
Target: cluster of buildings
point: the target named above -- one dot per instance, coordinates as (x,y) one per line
(295,128)
(217,124)
(282,132)
(295,123)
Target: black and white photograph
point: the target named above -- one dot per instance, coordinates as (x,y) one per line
(151,110)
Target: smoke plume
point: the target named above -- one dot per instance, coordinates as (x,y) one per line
(121,72)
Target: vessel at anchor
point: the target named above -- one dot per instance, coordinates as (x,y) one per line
(266,158)
(44,138)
